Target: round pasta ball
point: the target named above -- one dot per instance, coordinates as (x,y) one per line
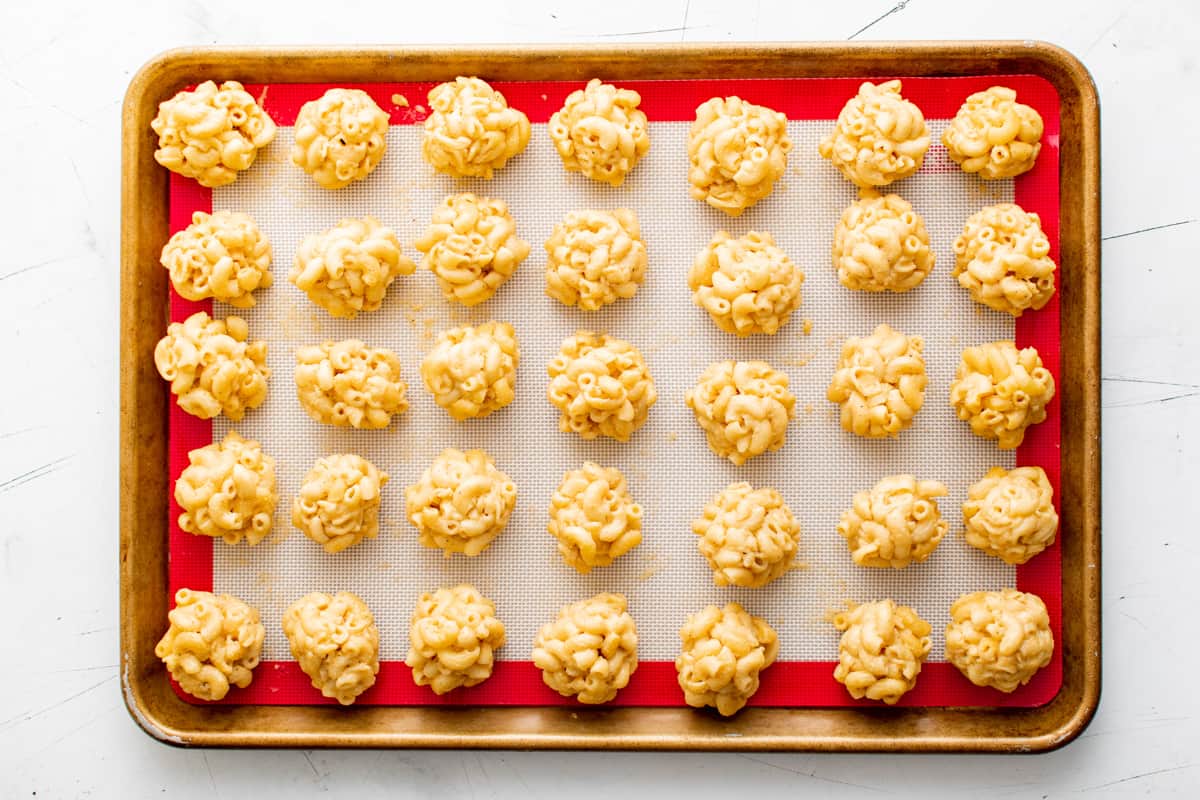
(338,503)
(347,384)
(879,137)
(472,247)
(595,258)
(453,639)
(472,371)
(748,536)
(895,523)
(880,382)
(461,503)
(211,367)
(340,137)
(222,255)
(348,268)
(227,490)
(601,385)
(744,408)
(1010,514)
(213,643)
(747,285)
(737,151)
(1000,391)
(993,135)
(1003,259)
(999,639)
(471,131)
(211,133)
(881,651)
(724,651)
(881,245)
(593,517)
(601,132)
(335,641)
(590,651)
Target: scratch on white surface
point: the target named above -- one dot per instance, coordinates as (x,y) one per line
(896,9)
(1149,381)
(813,774)
(35,473)
(1138,777)
(687,9)
(1148,230)
(27,715)
(211,780)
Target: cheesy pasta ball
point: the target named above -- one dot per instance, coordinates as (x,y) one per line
(211,367)
(211,133)
(227,490)
(880,382)
(999,639)
(601,132)
(340,137)
(879,137)
(601,385)
(222,255)
(593,517)
(895,523)
(595,258)
(590,651)
(338,503)
(472,247)
(348,268)
(471,131)
(1010,514)
(748,536)
(335,641)
(472,371)
(453,639)
(744,408)
(347,384)
(993,135)
(1003,259)
(747,285)
(737,151)
(461,503)
(724,651)
(881,245)
(1000,391)
(213,643)
(881,651)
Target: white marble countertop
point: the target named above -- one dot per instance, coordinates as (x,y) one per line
(63,729)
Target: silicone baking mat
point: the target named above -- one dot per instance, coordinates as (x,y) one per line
(671,471)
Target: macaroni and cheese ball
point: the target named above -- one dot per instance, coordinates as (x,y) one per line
(748,536)
(744,408)
(895,523)
(595,258)
(880,382)
(338,502)
(747,285)
(347,384)
(1000,391)
(601,385)
(879,137)
(348,268)
(993,135)
(881,651)
(593,517)
(472,247)
(227,490)
(461,503)
(453,639)
(999,639)
(471,131)
(472,371)
(724,651)
(881,245)
(737,151)
(222,255)
(590,651)
(1010,514)
(1003,259)
(601,132)
(335,641)
(211,133)
(211,367)
(340,137)
(213,644)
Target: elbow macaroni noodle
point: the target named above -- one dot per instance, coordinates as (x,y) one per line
(1000,391)
(879,137)
(993,135)
(880,244)
(211,367)
(601,385)
(595,258)
(348,268)
(590,651)
(1003,259)
(744,408)
(1010,514)
(601,132)
(461,503)
(895,523)
(472,371)
(999,639)
(472,247)
(335,641)
(338,503)
(347,384)
(724,651)
(881,651)
(747,285)
(221,255)
(880,382)
(453,639)
(471,131)
(213,643)
(593,517)
(737,151)
(228,491)
(748,536)
(340,137)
